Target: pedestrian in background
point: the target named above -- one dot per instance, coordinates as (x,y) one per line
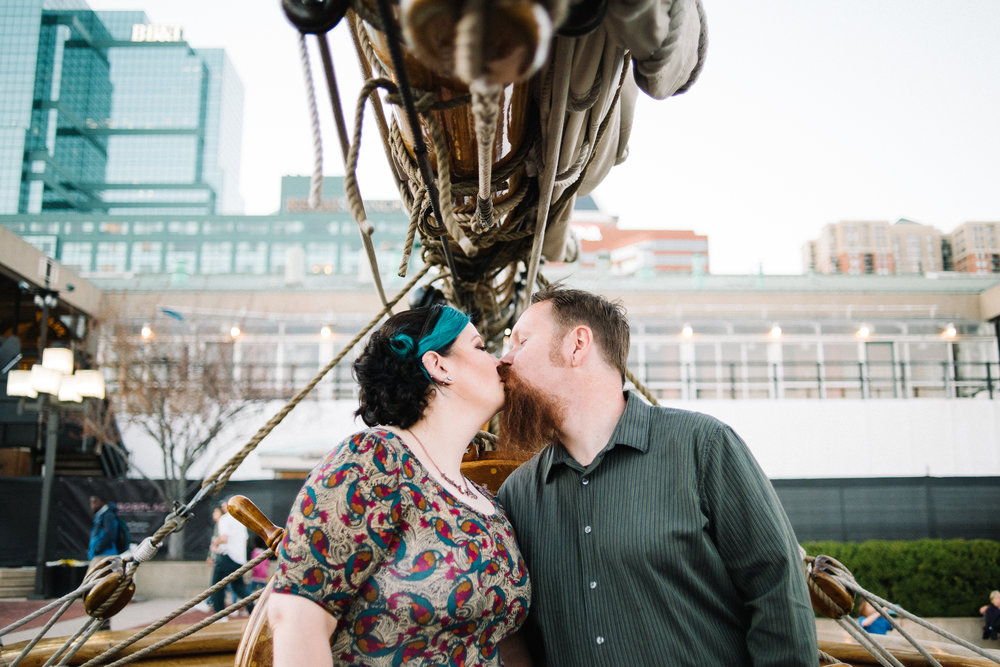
(991,616)
(230,554)
(104,531)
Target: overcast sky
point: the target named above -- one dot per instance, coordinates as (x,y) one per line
(807,112)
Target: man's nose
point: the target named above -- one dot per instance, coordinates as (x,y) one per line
(508,358)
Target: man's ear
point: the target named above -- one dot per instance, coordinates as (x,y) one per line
(579,341)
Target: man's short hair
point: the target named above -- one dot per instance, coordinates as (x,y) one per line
(607,319)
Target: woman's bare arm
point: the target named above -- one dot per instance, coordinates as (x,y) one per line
(301,630)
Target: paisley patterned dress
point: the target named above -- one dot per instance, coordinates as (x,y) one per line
(412,575)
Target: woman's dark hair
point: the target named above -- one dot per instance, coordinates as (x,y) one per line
(393,389)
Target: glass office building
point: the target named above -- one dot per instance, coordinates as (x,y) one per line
(56,80)
(294,242)
(104,112)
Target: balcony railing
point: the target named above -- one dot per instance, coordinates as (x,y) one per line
(694,381)
(799,380)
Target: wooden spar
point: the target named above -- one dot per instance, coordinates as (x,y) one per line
(212,645)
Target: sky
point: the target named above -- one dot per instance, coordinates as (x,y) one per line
(807,112)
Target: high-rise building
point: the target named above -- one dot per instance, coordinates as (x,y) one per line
(607,249)
(875,247)
(855,247)
(104,112)
(56,83)
(976,247)
(916,248)
(904,247)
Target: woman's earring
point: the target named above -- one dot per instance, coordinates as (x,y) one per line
(448,379)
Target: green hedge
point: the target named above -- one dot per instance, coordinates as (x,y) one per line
(929,578)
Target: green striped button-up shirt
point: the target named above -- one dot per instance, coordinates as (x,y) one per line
(670,548)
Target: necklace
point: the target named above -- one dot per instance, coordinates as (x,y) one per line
(462,488)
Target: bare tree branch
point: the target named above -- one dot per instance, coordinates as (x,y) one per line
(181,393)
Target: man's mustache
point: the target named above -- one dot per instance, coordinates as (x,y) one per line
(506,372)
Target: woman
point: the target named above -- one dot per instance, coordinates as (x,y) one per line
(390,554)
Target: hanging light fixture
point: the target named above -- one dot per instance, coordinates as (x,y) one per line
(90,383)
(58,359)
(55,376)
(68,391)
(45,380)
(19,384)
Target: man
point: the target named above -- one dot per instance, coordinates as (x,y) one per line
(230,547)
(104,529)
(651,534)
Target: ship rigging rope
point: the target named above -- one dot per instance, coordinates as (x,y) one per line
(842,576)
(357,206)
(316,182)
(205,622)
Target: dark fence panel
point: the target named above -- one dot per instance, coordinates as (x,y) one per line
(847,510)
(140,507)
(892,508)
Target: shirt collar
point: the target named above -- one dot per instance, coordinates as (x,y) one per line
(632,430)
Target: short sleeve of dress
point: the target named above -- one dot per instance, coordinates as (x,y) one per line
(342,522)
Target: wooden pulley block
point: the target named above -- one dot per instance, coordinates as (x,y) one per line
(244,511)
(823,575)
(511,45)
(314,16)
(108,572)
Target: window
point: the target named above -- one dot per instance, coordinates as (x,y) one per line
(111,257)
(77,255)
(146,257)
(217,257)
(186,227)
(251,257)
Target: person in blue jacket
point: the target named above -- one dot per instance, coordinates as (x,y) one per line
(105,528)
(873,622)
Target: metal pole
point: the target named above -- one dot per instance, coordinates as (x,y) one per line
(51,441)
(48,425)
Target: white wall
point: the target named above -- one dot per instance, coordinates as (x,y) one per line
(791,439)
(870,438)
(312,428)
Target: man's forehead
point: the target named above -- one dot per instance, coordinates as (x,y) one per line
(535,317)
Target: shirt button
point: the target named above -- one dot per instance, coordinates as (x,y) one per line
(593,584)
(586,529)
(600,640)
(585,481)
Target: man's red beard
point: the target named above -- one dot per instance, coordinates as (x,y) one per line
(530,418)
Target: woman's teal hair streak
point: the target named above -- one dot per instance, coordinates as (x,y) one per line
(450,322)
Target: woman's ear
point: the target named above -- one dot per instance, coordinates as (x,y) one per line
(436,365)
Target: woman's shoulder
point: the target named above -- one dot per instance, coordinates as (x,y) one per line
(375,447)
